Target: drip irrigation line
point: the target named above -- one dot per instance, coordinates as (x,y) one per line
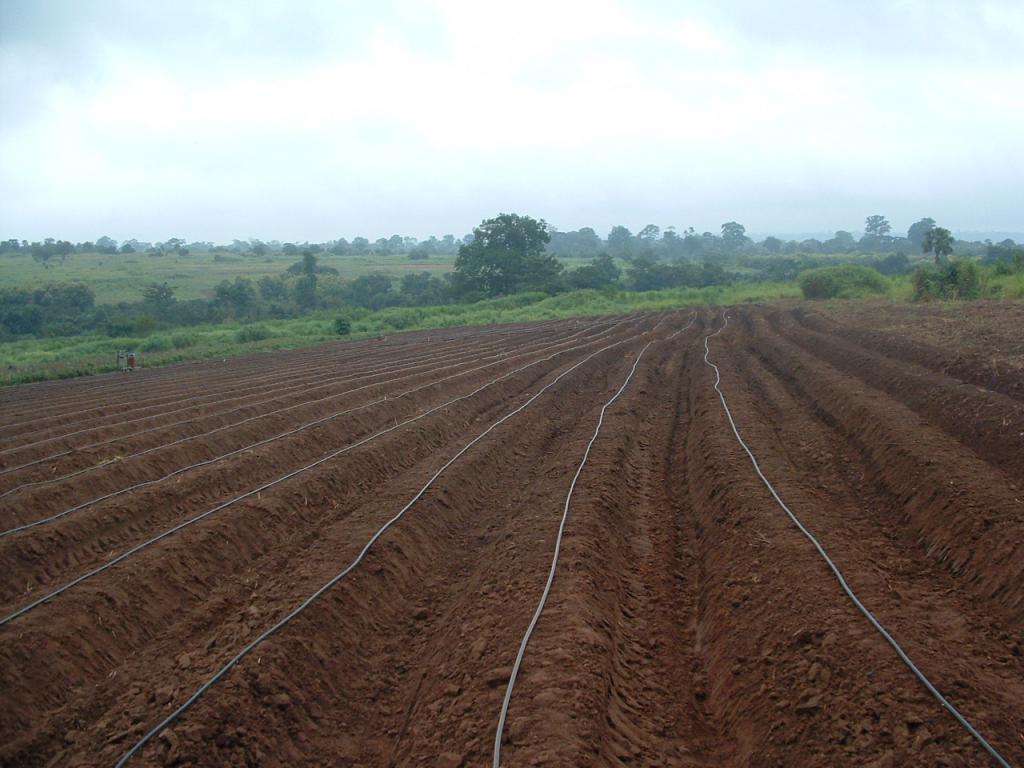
(693,317)
(504,355)
(332,455)
(254,372)
(554,565)
(177,713)
(839,575)
(276,392)
(265,441)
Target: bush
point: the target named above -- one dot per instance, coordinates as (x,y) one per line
(959,279)
(184,340)
(156,344)
(342,326)
(846,281)
(250,333)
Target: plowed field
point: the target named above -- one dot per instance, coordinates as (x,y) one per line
(331,557)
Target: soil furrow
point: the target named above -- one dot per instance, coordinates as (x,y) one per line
(964,650)
(340,526)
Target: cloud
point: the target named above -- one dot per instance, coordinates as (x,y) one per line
(341,119)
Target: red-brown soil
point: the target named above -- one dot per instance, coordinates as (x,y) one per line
(690,623)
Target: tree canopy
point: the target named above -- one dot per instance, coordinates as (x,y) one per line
(507,254)
(939,241)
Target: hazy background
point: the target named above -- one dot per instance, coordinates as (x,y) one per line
(318,120)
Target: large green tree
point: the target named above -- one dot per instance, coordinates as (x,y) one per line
(507,255)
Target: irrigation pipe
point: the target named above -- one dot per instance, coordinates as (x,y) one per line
(253,373)
(332,455)
(554,565)
(359,558)
(277,392)
(693,317)
(504,355)
(265,441)
(838,574)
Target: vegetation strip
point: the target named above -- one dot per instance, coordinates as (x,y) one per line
(837,573)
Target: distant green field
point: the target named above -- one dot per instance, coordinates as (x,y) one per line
(122,276)
(65,357)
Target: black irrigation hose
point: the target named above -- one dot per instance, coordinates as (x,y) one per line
(504,355)
(838,574)
(276,392)
(334,454)
(264,441)
(252,372)
(171,718)
(554,563)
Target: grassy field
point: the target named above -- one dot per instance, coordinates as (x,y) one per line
(69,356)
(121,277)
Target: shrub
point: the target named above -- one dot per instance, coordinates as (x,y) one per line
(845,281)
(342,326)
(959,279)
(248,333)
(184,340)
(156,344)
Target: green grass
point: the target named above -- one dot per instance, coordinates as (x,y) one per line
(1004,286)
(121,277)
(65,357)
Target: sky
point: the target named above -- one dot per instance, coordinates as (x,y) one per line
(317,120)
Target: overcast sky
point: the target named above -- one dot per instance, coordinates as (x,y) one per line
(208,119)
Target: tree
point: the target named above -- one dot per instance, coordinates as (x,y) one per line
(918,230)
(650,232)
(507,254)
(273,288)
(734,235)
(237,297)
(177,245)
(423,289)
(600,273)
(877,226)
(159,295)
(939,241)
(23,320)
(305,286)
(372,291)
(842,242)
(772,244)
(620,242)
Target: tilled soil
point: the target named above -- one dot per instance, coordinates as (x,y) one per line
(690,622)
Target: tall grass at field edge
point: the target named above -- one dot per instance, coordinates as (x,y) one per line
(27,360)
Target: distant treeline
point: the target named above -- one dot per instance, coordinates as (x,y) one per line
(667,244)
(505,255)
